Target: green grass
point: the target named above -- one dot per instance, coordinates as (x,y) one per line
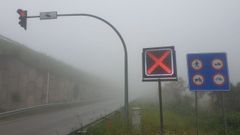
(110,126)
(176,122)
(173,123)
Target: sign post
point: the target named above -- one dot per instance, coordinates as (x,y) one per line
(208,72)
(159,64)
(223,114)
(160,106)
(196,112)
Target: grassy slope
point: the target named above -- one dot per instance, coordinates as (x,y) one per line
(175,123)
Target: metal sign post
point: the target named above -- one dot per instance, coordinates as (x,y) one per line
(159,64)
(196,112)
(160,107)
(223,114)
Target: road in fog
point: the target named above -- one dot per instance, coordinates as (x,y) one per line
(58,122)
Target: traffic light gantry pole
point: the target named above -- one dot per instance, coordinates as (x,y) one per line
(53,15)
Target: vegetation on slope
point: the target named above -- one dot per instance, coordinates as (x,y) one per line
(36,59)
(179,114)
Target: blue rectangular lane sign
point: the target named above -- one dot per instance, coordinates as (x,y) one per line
(208,72)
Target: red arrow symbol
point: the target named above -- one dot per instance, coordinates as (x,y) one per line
(159,62)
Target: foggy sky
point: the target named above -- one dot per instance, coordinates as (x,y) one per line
(192,26)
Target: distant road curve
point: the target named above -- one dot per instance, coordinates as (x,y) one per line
(43,108)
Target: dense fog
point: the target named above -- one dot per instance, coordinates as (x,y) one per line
(94,48)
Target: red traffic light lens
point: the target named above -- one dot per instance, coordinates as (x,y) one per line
(21,12)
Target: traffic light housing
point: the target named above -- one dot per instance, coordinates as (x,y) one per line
(22,18)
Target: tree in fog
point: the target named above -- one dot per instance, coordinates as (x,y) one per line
(231,99)
(177,96)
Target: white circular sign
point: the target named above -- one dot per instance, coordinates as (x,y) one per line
(218,79)
(197,64)
(217,64)
(198,79)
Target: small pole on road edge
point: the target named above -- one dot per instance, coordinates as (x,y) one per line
(160,107)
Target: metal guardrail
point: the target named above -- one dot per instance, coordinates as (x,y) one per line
(83,130)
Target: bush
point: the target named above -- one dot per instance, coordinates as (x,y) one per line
(233,120)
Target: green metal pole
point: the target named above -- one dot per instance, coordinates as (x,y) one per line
(196,111)
(160,107)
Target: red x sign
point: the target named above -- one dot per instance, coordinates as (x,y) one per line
(159,63)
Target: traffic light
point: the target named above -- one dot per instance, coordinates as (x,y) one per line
(22,18)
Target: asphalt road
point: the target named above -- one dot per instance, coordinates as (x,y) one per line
(60,122)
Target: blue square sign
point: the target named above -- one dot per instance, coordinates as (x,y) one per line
(208,72)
